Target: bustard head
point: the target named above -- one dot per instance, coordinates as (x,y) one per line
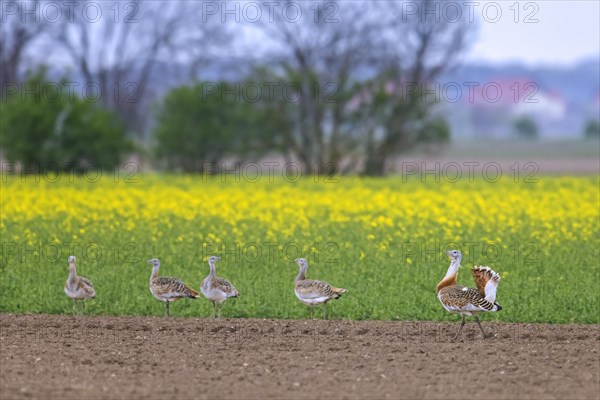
(213,259)
(301,262)
(154,262)
(455,255)
(71,259)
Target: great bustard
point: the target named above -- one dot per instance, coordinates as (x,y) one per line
(313,293)
(216,289)
(168,289)
(466,301)
(78,287)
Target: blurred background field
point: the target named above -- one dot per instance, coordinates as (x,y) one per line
(531,158)
(381,238)
(523,151)
(352,87)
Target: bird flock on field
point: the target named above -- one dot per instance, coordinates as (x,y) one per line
(455,299)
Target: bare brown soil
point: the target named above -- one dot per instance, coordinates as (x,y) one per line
(84,357)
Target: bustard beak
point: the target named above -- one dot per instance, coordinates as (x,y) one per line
(149,261)
(218,257)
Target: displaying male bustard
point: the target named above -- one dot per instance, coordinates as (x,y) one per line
(168,289)
(216,289)
(312,292)
(78,287)
(466,301)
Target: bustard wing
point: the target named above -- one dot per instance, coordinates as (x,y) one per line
(312,289)
(87,286)
(487,282)
(458,298)
(225,286)
(170,287)
(86,281)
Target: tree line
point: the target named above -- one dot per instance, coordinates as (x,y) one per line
(342,86)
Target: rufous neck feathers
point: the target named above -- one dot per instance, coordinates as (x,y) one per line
(451,275)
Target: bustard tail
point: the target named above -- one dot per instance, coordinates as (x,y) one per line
(338,291)
(487,282)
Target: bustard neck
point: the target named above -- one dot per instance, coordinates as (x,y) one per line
(451,275)
(72,271)
(154,274)
(302,273)
(213,271)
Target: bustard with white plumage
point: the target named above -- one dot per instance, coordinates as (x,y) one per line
(78,287)
(465,301)
(216,289)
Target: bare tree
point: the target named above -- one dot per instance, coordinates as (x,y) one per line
(320,54)
(360,53)
(420,47)
(128,51)
(20,27)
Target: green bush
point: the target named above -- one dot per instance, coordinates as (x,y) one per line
(525,127)
(44,123)
(204,123)
(592,129)
(436,130)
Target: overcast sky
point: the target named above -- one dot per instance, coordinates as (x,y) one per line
(534,33)
(542,32)
(566,32)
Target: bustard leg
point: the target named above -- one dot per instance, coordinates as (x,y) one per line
(325,310)
(219,309)
(312,311)
(212,309)
(167,311)
(480,327)
(75,307)
(462,323)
